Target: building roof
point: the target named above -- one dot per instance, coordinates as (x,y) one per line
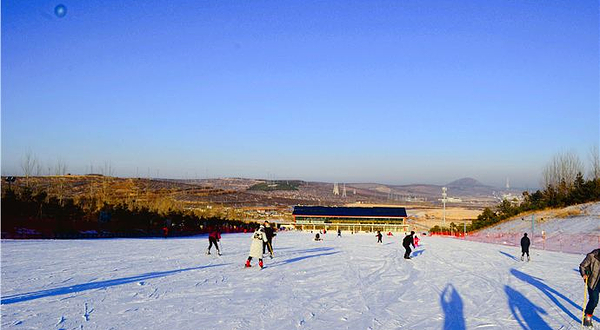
(343,211)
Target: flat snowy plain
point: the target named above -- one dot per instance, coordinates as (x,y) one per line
(339,283)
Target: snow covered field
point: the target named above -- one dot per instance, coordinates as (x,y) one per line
(339,283)
(573,234)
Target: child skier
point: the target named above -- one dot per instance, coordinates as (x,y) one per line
(416,240)
(525,242)
(213,238)
(590,271)
(379,236)
(407,242)
(258,238)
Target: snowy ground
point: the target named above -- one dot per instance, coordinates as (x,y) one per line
(340,283)
(574,234)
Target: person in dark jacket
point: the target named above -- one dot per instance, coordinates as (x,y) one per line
(407,242)
(213,238)
(339,233)
(379,236)
(525,242)
(590,271)
(269,243)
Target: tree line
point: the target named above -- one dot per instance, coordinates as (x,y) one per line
(26,214)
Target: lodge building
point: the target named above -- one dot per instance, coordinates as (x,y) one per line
(353,219)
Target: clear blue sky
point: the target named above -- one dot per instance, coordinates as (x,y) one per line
(348,91)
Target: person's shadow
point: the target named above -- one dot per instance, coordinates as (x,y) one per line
(524,311)
(509,255)
(549,292)
(417,253)
(453,309)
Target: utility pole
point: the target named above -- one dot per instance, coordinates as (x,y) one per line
(444,199)
(532,226)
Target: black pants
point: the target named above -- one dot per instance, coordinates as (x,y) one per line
(268,244)
(407,253)
(250,259)
(523,251)
(211,241)
(593,302)
(379,240)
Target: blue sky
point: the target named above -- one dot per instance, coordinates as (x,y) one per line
(347,91)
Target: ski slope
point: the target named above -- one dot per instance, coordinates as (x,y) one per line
(574,234)
(339,283)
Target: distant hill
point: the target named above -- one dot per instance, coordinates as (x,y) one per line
(465,182)
(469,187)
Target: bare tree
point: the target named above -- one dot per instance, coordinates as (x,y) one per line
(28,164)
(562,168)
(594,156)
(61,167)
(60,170)
(39,168)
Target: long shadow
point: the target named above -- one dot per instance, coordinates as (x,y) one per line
(289,261)
(417,253)
(549,292)
(453,309)
(509,255)
(92,285)
(524,311)
(319,249)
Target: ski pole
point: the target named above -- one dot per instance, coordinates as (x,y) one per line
(584,301)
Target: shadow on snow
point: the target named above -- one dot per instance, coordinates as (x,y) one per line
(549,292)
(289,261)
(524,311)
(509,255)
(417,253)
(453,309)
(92,285)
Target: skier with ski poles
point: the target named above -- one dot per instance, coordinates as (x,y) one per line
(590,271)
(407,242)
(258,239)
(525,242)
(213,238)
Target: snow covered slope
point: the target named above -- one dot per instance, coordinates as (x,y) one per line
(339,283)
(578,233)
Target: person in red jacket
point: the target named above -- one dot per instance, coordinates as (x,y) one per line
(416,239)
(213,238)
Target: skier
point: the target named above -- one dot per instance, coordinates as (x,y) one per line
(416,240)
(213,238)
(590,271)
(258,238)
(317,237)
(379,236)
(269,243)
(407,242)
(525,242)
(339,233)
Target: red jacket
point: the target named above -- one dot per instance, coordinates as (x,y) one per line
(215,234)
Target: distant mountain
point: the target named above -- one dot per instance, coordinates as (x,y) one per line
(465,183)
(469,187)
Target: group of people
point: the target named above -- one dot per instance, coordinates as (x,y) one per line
(262,240)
